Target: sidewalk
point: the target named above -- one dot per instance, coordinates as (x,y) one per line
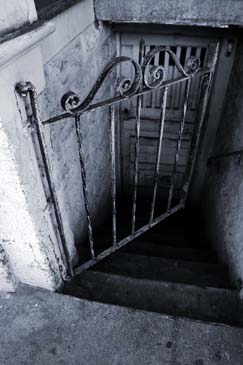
(39,327)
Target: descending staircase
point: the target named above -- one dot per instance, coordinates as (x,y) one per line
(171,269)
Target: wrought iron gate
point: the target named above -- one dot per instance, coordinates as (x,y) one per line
(146,78)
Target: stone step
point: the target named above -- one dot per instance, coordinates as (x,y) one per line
(148,248)
(157,268)
(206,304)
(104,239)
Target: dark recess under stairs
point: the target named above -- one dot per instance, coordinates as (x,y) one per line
(171,269)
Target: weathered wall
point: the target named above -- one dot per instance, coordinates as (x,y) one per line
(26,227)
(217,13)
(223,199)
(75,66)
(70,58)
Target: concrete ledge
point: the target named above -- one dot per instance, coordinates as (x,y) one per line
(16,46)
(215,13)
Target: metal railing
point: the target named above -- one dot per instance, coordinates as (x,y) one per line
(146,78)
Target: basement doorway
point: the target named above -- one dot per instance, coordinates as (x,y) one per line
(169,93)
(137,165)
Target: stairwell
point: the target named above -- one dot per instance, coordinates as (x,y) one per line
(171,270)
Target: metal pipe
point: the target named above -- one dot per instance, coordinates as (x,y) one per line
(179,141)
(24,90)
(159,148)
(113,170)
(84,184)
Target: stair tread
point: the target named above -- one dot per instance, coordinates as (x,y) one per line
(152,249)
(157,268)
(208,304)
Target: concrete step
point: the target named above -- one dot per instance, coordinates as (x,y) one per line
(41,327)
(104,239)
(148,248)
(207,304)
(157,268)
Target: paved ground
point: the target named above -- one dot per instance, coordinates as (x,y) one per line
(39,327)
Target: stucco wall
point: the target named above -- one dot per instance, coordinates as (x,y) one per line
(223,198)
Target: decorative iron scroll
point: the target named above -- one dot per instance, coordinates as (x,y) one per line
(145,77)
(125,87)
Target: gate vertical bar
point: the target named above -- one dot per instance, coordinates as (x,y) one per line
(159,148)
(137,143)
(206,86)
(179,141)
(113,171)
(84,184)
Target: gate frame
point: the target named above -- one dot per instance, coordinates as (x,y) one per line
(127,88)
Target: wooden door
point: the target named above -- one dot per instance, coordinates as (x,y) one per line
(184,47)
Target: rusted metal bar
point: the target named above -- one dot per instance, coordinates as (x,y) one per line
(126,240)
(178,145)
(137,143)
(156,174)
(24,90)
(206,86)
(113,170)
(84,184)
(118,99)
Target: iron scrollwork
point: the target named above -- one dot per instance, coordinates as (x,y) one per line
(157,73)
(146,76)
(125,86)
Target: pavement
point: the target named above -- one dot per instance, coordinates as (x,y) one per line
(41,327)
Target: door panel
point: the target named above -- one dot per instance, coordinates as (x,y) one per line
(184,48)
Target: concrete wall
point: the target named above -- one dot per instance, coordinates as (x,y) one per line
(217,13)
(55,61)
(223,199)
(26,227)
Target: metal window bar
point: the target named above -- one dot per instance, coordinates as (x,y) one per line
(144,82)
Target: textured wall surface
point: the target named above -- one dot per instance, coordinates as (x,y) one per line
(224,187)
(71,58)
(26,229)
(76,67)
(190,12)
